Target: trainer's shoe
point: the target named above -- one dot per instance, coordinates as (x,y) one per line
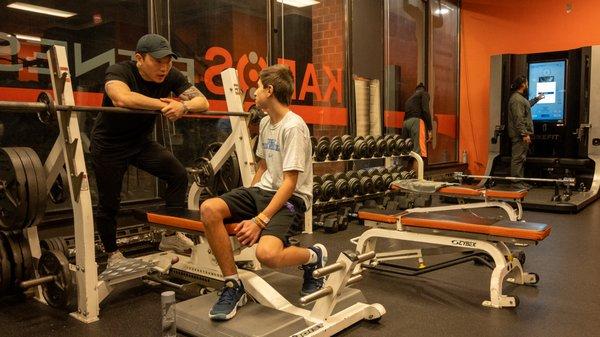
(312,284)
(231,297)
(177,242)
(115,259)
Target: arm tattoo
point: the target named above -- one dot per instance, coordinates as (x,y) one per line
(191,93)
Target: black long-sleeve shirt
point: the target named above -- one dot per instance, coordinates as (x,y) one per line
(417,106)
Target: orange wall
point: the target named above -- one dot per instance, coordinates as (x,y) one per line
(491,27)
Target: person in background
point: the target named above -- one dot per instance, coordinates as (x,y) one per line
(417,122)
(520,127)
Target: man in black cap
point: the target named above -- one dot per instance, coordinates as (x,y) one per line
(120,140)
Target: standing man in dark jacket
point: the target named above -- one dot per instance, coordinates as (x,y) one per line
(520,126)
(417,121)
(119,140)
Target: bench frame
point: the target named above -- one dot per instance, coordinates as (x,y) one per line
(507,266)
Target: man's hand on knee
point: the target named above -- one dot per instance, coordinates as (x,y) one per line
(248,232)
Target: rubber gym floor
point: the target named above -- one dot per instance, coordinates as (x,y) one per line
(566,301)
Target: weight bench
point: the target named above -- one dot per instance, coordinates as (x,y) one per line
(459,231)
(491,197)
(277,316)
(201,265)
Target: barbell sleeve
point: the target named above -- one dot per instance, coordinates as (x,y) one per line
(316,295)
(328,270)
(365,257)
(354,279)
(37,281)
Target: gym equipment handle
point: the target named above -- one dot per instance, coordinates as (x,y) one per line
(37,281)
(316,295)
(332,268)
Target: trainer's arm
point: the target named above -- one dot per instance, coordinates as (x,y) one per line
(194,100)
(122,96)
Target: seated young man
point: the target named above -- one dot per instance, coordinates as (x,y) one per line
(271,211)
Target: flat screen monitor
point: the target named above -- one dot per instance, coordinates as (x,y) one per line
(548,78)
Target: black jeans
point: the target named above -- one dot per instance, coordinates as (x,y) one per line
(109,171)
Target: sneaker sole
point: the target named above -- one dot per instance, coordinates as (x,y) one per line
(224,317)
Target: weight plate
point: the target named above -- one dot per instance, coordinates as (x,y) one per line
(27,259)
(16,258)
(5,267)
(40,175)
(228,177)
(32,190)
(13,195)
(59,293)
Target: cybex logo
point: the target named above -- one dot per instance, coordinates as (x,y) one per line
(464,243)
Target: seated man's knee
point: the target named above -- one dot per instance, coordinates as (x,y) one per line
(209,211)
(267,256)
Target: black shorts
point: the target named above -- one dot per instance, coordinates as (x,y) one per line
(246,202)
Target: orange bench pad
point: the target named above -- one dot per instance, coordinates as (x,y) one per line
(504,228)
(184,223)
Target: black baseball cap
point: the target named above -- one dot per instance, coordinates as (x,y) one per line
(155,45)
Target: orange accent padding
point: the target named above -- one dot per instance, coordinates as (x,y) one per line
(499,194)
(460,190)
(379,217)
(183,223)
(510,229)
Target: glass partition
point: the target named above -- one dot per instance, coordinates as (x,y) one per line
(404,57)
(96,33)
(443,80)
(311,40)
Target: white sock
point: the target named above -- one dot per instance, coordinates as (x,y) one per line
(234,277)
(312,257)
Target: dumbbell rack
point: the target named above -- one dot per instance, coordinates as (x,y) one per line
(388,159)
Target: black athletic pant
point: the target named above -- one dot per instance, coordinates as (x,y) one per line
(109,171)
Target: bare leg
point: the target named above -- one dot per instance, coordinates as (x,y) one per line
(213,211)
(271,252)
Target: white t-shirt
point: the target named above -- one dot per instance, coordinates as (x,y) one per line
(286,146)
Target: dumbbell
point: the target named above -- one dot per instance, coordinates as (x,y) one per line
(335,148)
(400,145)
(412,174)
(342,189)
(360,148)
(351,174)
(408,145)
(317,192)
(322,149)
(382,170)
(405,175)
(396,176)
(327,187)
(366,185)
(390,144)
(371,146)
(387,180)
(354,186)
(313,143)
(362,173)
(378,183)
(347,147)
(381,147)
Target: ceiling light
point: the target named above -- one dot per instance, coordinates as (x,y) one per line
(28,38)
(39,9)
(298,3)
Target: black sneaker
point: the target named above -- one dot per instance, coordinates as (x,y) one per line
(232,296)
(312,284)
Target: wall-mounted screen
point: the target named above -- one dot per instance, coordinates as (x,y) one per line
(548,78)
